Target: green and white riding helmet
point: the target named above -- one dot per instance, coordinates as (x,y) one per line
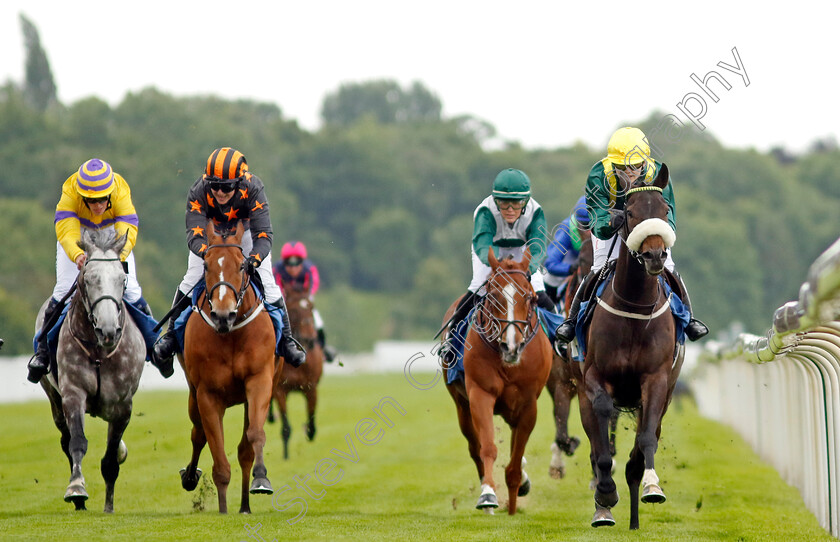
(512,184)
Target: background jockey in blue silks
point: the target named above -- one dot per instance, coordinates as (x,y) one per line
(628,159)
(95,198)
(510,221)
(561,259)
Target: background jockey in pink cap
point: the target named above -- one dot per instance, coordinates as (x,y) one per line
(296,271)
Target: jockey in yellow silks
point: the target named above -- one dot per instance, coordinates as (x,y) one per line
(628,159)
(94,198)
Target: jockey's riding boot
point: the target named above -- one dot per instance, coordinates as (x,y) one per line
(695,329)
(449,350)
(544,301)
(167,345)
(329,352)
(39,365)
(291,350)
(566,331)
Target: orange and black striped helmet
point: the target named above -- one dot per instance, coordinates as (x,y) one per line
(225,165)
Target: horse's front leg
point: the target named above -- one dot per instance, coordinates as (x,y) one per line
(73,404)
(481,410)
(110,464)
(212,411)
(640,467)
(595,410)
(191,473)
(517,481)
(311,404)
(258,392)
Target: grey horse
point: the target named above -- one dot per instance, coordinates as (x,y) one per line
(100,358)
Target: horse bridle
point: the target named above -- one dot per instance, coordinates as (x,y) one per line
(625,229)
(88,306)
(525,327)
(239,293)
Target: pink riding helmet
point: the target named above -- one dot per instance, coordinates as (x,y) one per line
(293,249)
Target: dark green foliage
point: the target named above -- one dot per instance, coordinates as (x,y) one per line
(385,204)
(39,85)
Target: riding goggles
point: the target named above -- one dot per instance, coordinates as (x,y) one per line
(226,187)
(505,204)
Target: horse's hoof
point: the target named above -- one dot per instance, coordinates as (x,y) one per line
(487,499)
(652,494)
(261,486)
(524,488)
(557,473)
(122,453)
(602,517)
(190,482)
(606,500)
(77,495)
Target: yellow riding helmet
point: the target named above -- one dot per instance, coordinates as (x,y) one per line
(95,179)
(628,146)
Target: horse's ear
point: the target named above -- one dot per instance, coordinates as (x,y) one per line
(211,229)
(662,177)
(119,243)
(491,258)
(526,258)
(85,242)
(240,230)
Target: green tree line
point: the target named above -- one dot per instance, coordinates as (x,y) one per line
(383,196)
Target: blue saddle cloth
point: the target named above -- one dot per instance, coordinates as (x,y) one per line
(548,320)
(274,312)
(143,321)
(681,316)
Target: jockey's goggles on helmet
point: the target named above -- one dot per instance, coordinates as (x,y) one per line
(223,186)
(515,204)
(632,167)
(292,261)
(91,201)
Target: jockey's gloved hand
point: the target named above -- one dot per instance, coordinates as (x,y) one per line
(616,219)
(250,265)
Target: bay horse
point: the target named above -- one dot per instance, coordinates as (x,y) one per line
(561,383)
(100,358)
(632,356)
(306,377)
(507,358)
(228,359)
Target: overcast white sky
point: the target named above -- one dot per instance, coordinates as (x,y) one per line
(543,72)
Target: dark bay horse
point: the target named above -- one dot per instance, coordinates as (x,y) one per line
(306,377)
(228,359)
(633,358)
(507,358)
(561,384)
(100,358)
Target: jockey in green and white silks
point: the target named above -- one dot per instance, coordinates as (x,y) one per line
(628,159)
(510,221)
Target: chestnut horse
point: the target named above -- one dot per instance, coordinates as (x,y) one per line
(507,358)
(228,359)
(306,377)
(632,356)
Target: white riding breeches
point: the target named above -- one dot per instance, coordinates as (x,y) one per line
(481,272)
(66,273)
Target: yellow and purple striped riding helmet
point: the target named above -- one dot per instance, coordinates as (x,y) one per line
(95,179)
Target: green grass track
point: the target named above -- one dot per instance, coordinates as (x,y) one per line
(410,480)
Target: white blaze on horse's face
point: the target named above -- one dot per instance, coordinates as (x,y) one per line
(222,289)
(510,334)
